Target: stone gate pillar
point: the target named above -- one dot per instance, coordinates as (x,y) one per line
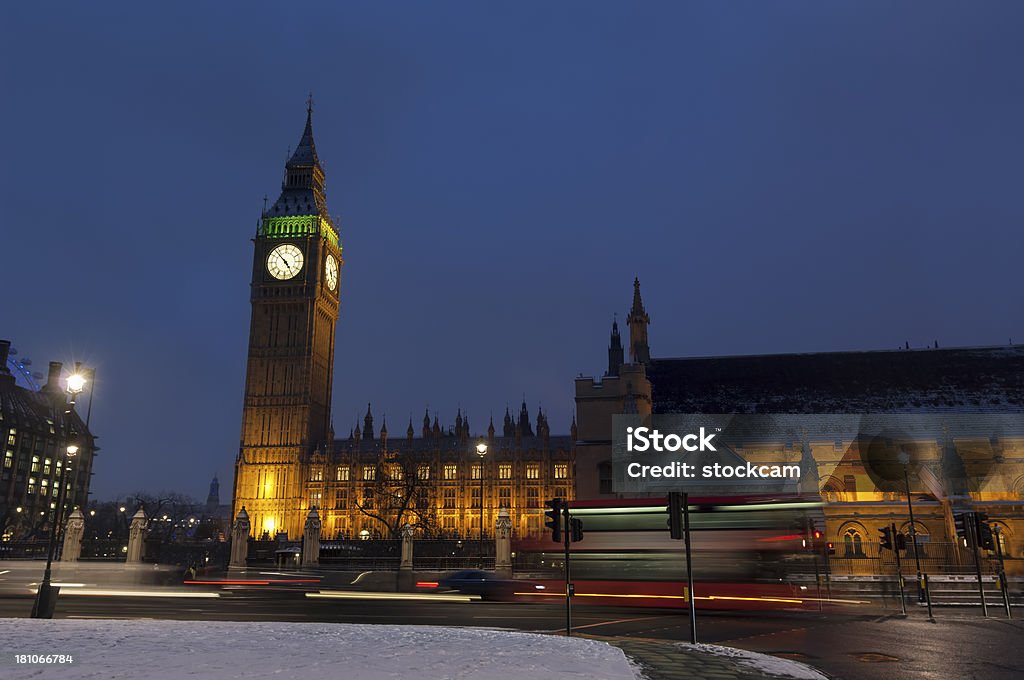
(137,536)
(503,544)
(407,533)
(406,580)
(240,540)
(73,531)
(311,539)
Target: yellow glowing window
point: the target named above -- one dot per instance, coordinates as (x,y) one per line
(533,471)
(451,471)
(561,470)
(505,471)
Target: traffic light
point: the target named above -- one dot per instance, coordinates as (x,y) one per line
(554,518)
(960,520)
(885,539)
(576,529)
(986,539)
(830,548)
(901,541)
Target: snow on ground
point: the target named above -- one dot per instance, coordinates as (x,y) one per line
(177,650)
(771,665)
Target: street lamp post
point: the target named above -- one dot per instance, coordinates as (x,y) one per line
(904,459)
(46,595)
(481,450)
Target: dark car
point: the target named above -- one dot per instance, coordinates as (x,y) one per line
(487,585)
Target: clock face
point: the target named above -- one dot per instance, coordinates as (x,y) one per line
(331,272)
(284,262)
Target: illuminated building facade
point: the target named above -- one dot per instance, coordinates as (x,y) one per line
(35,433)
(953,473)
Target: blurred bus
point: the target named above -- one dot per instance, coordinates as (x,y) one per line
(748,552)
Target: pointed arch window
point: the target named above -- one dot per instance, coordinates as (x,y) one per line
(853,543)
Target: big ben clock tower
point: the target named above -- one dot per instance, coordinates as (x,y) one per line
(295,281)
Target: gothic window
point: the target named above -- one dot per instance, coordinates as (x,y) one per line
(850,486)
(342,474)
(368,498)
(341,500)
(314,499)
(318,475)
(451,471)
(533,470)
(561,470)
(449,499)
(853,543)
(31,484)
(504,497)
(46,466)
(448,522)
(474,498)
(476,471)
(35,463)
(423,472)
(505,471)
(395,472)
(9,459)
(533,497)
(11,436)
(369,473)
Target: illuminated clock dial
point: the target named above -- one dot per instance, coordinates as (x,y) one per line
(331,272)
(284,262)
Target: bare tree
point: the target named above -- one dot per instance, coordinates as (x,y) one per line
(400,493)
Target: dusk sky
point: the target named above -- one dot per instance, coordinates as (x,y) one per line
(782,176)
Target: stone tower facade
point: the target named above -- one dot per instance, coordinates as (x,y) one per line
(296,277)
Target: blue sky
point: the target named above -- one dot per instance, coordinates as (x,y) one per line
(785,176)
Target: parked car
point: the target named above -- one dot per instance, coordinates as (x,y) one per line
(487,585)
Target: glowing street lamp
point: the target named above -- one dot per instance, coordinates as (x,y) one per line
(46,595)
(481,450)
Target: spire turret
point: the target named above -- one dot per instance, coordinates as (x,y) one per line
(639,350)
(615,354)
(368,423)
(303,191)
(509,430)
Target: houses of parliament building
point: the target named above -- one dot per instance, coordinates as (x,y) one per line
(430,476)
(371,483)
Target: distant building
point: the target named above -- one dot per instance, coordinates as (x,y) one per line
(36,431)
(984,474)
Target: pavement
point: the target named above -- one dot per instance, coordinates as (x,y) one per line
(660,660)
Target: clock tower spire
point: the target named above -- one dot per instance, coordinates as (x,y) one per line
(295,297)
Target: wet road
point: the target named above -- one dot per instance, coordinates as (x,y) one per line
(845,645)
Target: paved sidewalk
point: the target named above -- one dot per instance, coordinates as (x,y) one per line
(663,660)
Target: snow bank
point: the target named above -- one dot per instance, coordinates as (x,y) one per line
(771,665)
(177,650)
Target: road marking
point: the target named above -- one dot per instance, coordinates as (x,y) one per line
(612,623)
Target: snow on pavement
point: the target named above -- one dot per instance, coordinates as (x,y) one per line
(175,650)
(770,665)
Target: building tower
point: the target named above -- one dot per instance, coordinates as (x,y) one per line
(639,350)
(294,294)
(213,498)
(615,355)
